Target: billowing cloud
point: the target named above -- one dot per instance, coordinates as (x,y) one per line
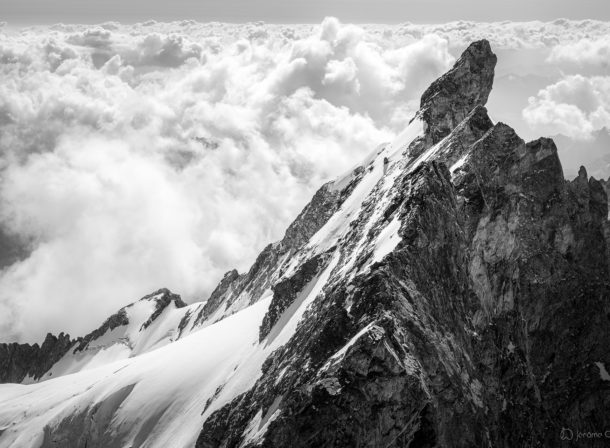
(510,35)
(575,106)
(163,154)
(591,56)
(139,157)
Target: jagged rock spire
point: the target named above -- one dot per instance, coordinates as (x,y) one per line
(448,303)
(451,97)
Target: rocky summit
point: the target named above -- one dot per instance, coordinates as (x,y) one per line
(451,291)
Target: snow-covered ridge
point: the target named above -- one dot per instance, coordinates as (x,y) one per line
(292,336)
(165,389)
(171,366)
(186,363)
(142,326)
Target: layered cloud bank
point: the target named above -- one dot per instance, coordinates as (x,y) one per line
(138,160)
(575,106)
(579,103)
(136,157)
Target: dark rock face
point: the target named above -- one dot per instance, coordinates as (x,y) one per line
(230,286)
(18,361)
(487,325)
(468,84)
(606,185)
(116,320)
(538,264)
(376,393)
(286,291)
(265,270)
(163,298)
(221,291)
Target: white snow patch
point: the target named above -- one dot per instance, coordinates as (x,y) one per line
(603,373)
(337,356)
(249,371)
(339,224)
(406,137)
(172,385)
(287,324)
(387,239)
(378,177)
(258,425)
(427,155)
(86,359)
(343,181)
(122,342)
(458,164)
(343,350)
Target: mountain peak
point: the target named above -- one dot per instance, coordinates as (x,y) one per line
(441,294)
(451,97)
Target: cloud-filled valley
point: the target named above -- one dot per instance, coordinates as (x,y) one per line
(134,157)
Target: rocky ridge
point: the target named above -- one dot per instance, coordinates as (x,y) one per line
(486,325)
(453,291)
(19,362)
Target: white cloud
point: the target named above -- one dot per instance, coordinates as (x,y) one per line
(96,37)
(575,106)
(106,221)
(511,35)
(590,55)
(342,76)
(163,155)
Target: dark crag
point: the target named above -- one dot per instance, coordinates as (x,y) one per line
(485,326)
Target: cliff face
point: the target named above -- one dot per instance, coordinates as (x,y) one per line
(20,361)
(486,325)
(235,291)
(450,98)
(453,291)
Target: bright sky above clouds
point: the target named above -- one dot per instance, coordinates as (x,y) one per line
(156,154)
(299,11)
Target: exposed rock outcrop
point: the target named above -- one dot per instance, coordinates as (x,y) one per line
(163,298)
(451,97)
(285,291)
(453,291)
(265,271)
(33,362)
(606,185)
(486,324)
(538,264)
(20,361)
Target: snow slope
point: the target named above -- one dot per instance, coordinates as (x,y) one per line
(158,384)
(140,331)
(168,387)
(171,389)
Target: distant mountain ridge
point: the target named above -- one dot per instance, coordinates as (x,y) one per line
(451,291)
(123,333)
(594,153)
